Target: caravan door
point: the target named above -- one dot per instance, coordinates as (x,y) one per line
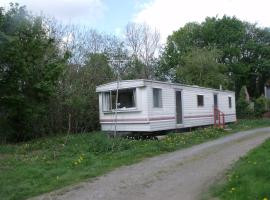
(178,103)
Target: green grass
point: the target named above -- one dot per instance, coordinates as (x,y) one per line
(249,179)
(247,124)
(43,165)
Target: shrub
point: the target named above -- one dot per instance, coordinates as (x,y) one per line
(261,105)
(243,108)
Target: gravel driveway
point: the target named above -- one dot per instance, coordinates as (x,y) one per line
(180,175)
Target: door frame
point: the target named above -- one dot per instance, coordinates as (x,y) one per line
(215,115)
(182,110)
(215,94)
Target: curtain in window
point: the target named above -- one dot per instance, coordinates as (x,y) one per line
(106,101)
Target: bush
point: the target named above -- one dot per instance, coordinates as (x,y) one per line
(243,108)
(261,106)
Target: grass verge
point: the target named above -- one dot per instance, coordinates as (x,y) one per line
(249,178)
(43,165)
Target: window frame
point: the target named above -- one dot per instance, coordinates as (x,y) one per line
(110,103)
(159,101)
(134,97)
(198,102)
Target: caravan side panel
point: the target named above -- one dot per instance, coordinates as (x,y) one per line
(195,115)
(203,115)
(161,118)
(130,120)
(230,112)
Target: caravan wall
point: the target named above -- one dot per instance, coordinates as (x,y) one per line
(157,106)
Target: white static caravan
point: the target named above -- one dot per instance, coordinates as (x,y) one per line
(148,106)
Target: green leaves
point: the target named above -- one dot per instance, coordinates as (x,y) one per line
(200,67)
(244,51)
(30,65)
(77,92)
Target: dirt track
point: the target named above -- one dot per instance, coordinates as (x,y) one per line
(180,175)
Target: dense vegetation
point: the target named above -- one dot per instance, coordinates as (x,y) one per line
(242,48)
(249,178)
(41,165)
(49,71)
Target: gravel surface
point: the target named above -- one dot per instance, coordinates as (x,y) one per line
(180,175)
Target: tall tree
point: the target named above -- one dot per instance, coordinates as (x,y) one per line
(177,45)
(244,50)
(143,44)
(200,67)
(76,104)
(30,64)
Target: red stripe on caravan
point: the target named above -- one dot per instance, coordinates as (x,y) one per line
(139,119)
(204,116)
(230,114)
(198,116)
(161,118)
(124,120)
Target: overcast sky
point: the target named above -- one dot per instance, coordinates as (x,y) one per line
(166,15)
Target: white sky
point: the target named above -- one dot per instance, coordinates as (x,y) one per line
(170,15)
(79,11)
(111,16)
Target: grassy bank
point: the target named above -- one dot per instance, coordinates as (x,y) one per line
(247,124)
(249,178)
(39,166)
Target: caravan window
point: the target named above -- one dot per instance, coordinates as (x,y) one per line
(230,101)
(157,98)
(200,100)
(106,101)
(126,99)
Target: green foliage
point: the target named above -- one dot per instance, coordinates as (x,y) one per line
(261,105)
(200,67)
(242,106)
(244,49)
(178,44)
(135,70)
(246,124)
(43,89)
(249,178)
(30,64)
(76,95)
(249,109)
(101,143)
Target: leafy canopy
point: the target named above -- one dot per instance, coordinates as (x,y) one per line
(244,50)
(30,64)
